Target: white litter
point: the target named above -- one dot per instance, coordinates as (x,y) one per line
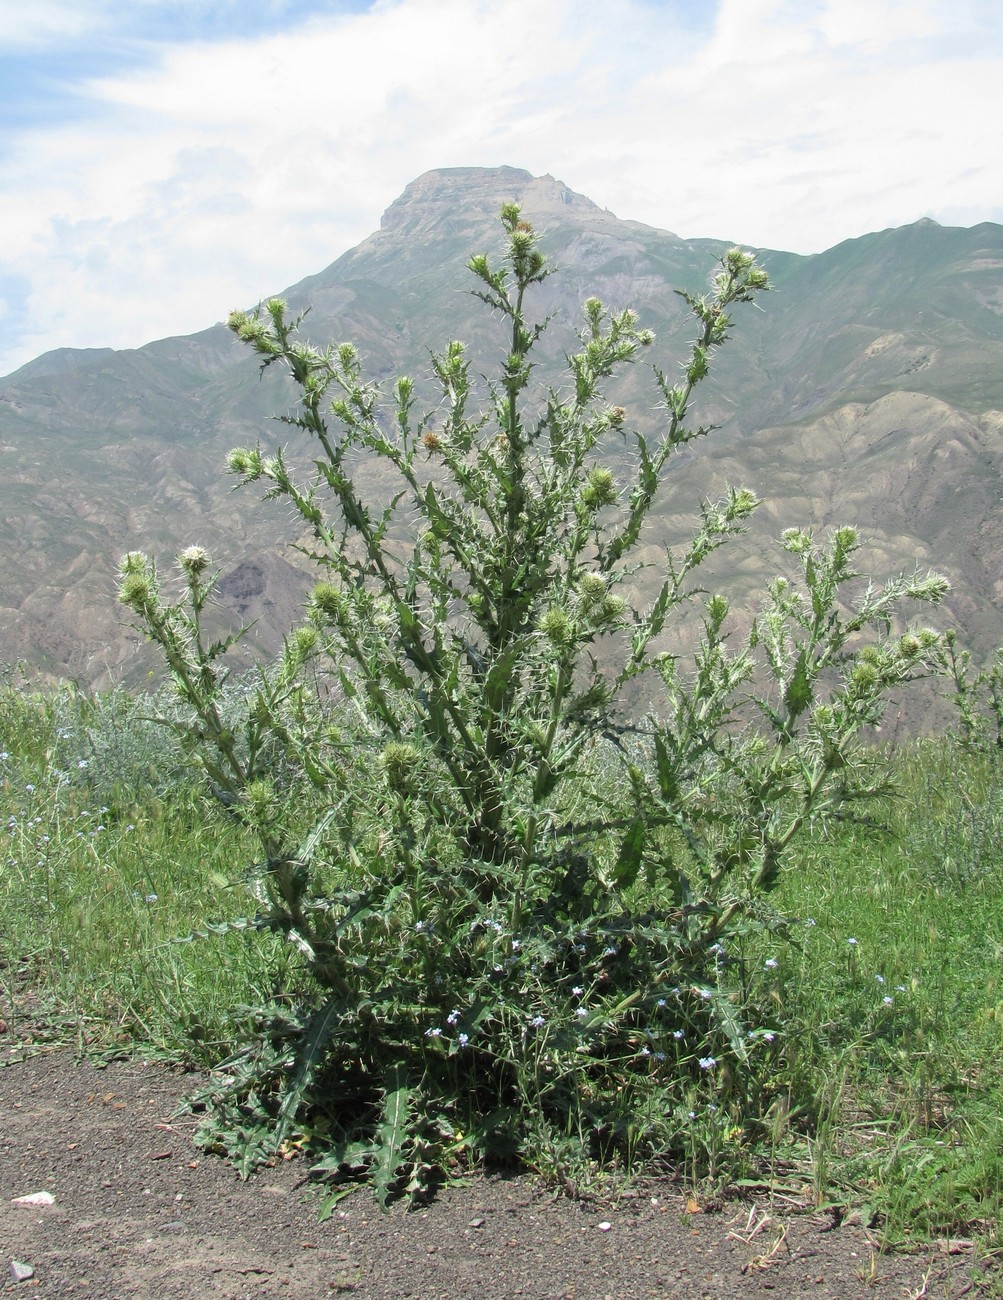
(36,1198)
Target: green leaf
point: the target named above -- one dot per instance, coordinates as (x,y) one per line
(309,845)
(392,1133)
(728,1022)
(319,1031)
(628,862)
(667,778)
(336,1194)
(798,694)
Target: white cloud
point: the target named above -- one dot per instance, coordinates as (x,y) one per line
(223,170)
(43,21)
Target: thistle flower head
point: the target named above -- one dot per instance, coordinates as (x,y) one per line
(795,540)
(194,560)
(591,588)
(134,562)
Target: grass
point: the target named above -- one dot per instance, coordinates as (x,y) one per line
(94,896)
(883,1093)
(894,1001)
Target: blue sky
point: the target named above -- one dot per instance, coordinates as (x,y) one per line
(162,161)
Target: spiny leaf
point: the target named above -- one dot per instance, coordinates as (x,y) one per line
(310,1052)
(628,862)
(392,1133)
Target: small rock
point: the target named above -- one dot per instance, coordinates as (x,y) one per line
(476,1223)
(35,1198)
(604,1226)
(175,1225)
(20,1272)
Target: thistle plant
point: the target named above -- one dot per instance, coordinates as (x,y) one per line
(977,696)
(520,909)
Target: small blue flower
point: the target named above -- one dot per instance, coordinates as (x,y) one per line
(771,963)
(463,1039)
(537,1022)
(577,991)
(708,1062)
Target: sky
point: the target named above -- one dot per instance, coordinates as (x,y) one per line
(164,161)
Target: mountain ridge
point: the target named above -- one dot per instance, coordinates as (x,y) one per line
(103,451)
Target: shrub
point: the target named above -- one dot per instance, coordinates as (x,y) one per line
(521,911)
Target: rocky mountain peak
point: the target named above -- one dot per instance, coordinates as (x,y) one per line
(441,198)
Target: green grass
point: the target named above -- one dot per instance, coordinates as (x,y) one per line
(894,1003)
(93,898)
(883,1091)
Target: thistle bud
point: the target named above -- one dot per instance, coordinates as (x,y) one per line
(401,763)
(556,626)
(610,610)
(864,674)
(260,803)
(300,645)
(599,489)
(795,540)
(138,591)
(244,462)
(328,600)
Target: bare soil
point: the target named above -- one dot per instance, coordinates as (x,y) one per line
(139,1211)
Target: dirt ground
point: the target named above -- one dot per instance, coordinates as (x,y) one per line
(138,1211)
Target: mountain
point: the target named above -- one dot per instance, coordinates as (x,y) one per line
(869,390)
